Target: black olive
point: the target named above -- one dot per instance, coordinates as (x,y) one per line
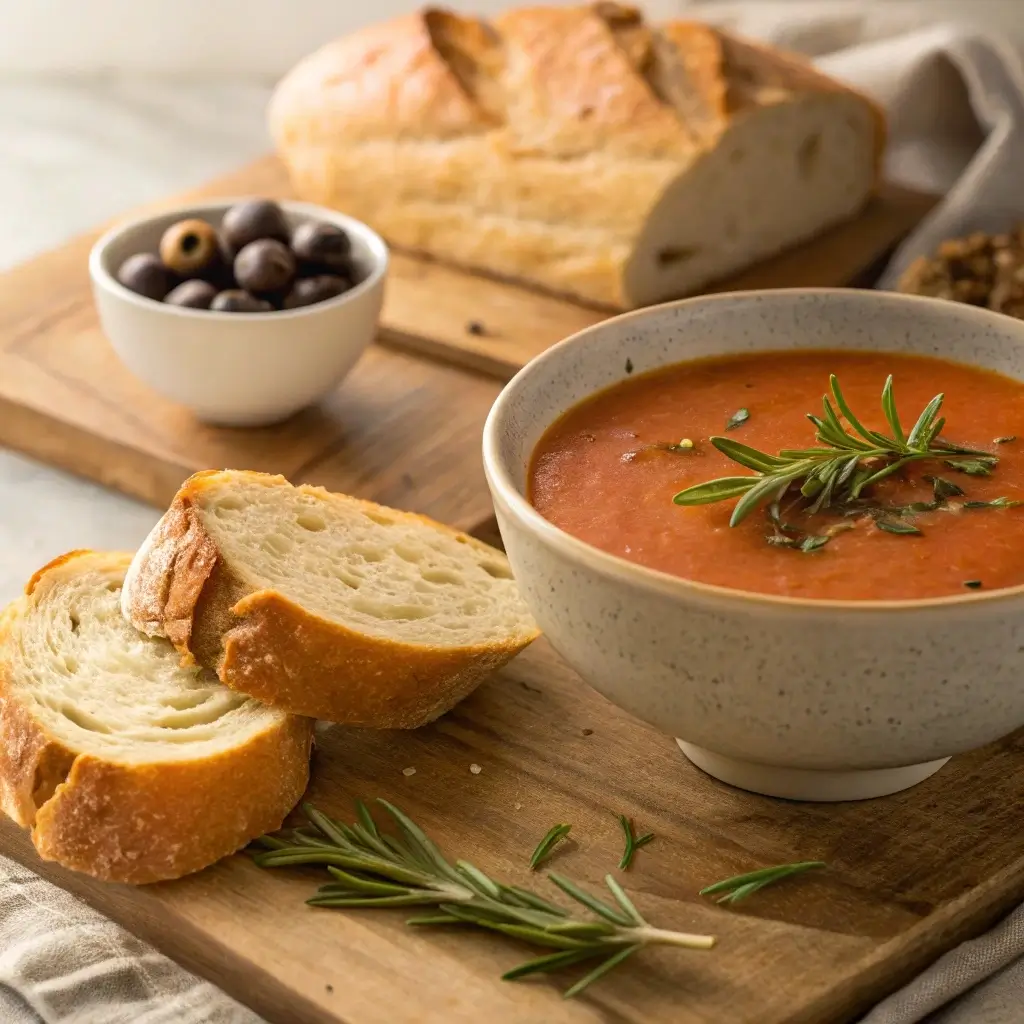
(234,300)
(194,294)
(323,247)
(145,274)
(189,247)
(309,290)
(265,265)
(252,219)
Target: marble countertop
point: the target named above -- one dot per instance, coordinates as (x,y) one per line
(74,153)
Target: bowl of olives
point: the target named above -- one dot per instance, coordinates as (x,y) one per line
(245,311)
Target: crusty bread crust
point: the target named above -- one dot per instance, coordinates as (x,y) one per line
(265,646)
(537,146)
(141,823)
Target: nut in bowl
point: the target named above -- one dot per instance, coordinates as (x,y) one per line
(822,609)
(240,310)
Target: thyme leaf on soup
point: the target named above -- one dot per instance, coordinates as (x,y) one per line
(897,526)
(994,503)
(848,460)
(737,419)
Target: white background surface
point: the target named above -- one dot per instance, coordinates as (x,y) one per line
(264,37)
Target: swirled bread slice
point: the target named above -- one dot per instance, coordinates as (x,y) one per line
(325,605)
(125,765)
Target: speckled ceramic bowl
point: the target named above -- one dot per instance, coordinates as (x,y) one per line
(810,700)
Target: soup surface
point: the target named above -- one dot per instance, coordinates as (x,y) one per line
(599,474)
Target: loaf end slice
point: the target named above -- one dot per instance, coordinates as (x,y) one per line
(125,765)
(325,605)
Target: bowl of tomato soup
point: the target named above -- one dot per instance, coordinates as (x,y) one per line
(785,528)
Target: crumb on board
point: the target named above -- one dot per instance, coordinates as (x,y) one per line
(475,769)
(408,771)
(518,806)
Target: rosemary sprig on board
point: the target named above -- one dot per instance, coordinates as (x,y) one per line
(633,841)
(848,461)
(546,846)
(371,868)
(741,886)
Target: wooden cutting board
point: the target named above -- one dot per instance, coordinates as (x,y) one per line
(909,876)
(65,398)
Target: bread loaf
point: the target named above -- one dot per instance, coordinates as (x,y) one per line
(125,765)
(578,149)
(325,605)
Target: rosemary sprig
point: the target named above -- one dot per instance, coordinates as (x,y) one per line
(545,847)
(741,886)
(633,841)
(848,461)
(371,868)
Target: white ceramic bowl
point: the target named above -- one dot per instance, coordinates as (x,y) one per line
(811,700)
(237,369)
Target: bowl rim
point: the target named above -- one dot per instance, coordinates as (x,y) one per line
(666,584)
(102,278)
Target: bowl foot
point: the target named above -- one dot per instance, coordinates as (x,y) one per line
(809,784)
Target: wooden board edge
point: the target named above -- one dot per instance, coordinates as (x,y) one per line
(91,457)
(918,948)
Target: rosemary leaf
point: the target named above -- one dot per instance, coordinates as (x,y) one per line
(994,503)
(943,489)
(551,962)
(814,543)
(891,415)
(546,846)
(740,887)
(973,467)
(590,902)
(897,526)
(737,419)
(972,584)
(598,972)
(632,843)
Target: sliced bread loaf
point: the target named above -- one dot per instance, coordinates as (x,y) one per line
(325,605)
(124,764)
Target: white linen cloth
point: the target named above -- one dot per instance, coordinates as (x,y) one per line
(954,99)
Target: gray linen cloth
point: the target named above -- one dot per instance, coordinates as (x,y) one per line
(955,104)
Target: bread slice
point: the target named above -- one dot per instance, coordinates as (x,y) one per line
(125,765)
(577,148)
(325,605)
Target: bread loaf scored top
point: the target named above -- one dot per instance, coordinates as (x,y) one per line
(578,149)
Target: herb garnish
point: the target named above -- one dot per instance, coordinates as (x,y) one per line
(972,584)
(848,462)
(370,868)
(547,844)
(633,841)
(741,886)
(943,489)
(737,419)
(994,503)
(896,526)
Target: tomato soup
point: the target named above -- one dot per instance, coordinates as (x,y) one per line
(607,473)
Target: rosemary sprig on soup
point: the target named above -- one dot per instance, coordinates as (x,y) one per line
(907,484)
(845,465)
